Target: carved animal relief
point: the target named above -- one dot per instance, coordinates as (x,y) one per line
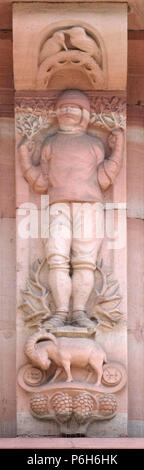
(69,378)
(68,55)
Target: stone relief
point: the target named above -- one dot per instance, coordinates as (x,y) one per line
(65,352)
(86,398)
(71,38)
(76,411)
(38,304)
(69,51)
(69,372)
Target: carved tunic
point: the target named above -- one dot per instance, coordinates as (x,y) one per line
(69,162)
(73,167)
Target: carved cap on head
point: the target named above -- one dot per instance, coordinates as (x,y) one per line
(74,97)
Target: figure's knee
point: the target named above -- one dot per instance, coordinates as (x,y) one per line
(84,254)
(83,264)
(58,261)
(57,253)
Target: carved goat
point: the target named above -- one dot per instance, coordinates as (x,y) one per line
(41,349)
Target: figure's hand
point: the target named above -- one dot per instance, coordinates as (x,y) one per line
(26,150)
(31,172)
(113,137)
(29,146)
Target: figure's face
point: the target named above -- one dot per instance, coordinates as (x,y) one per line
(69,116)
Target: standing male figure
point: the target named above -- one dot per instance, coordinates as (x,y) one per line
(73,171)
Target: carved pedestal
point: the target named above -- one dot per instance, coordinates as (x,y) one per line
(70,118)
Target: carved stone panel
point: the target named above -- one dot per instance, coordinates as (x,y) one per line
(71,212)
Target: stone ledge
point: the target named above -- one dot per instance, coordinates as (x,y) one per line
(71,443)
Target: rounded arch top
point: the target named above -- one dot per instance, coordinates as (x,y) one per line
(71,48)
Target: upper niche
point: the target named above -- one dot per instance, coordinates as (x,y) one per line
(71,57)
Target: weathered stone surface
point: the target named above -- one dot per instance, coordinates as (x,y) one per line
(135,284)
(6,71)
(135,11)
(7,169)
(135,174)
(5,15)
(135,162)
(7,329)
(135,68)
(135,326)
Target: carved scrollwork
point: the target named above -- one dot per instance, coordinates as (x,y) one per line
(111,375)
(114,375)
(71,59)
(33,376)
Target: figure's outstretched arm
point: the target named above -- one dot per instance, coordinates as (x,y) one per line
(109,168)
(33,174)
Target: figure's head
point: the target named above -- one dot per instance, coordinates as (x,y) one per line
(73,111)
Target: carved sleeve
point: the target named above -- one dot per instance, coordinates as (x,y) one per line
(33,174)
(109,168)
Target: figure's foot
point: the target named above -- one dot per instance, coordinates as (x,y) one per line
(80,318)
(58,319)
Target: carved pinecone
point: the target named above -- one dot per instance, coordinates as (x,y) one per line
(62,404)
(107,404)
(83,405)
(39,403)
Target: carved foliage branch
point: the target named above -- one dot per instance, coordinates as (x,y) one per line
(36,115)
(107,299)
(35,303)
(37,298)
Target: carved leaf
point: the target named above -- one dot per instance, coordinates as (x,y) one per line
(29,123)
(107,298)
(36,297)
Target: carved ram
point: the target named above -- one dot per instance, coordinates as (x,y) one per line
(41,349)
